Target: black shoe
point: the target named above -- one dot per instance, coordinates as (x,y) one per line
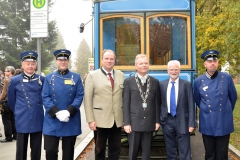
(6,140)
(0,135)
(14,138)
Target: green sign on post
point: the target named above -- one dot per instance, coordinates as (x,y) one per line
(39,3)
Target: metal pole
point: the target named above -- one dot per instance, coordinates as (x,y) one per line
(39,55)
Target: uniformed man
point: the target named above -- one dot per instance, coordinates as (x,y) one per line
(62,97)
(25,93)
(215,95)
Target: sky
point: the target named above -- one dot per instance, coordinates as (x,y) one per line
(69,14)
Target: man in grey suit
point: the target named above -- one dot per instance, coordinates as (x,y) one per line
(141,106)
(177,116)
(103,106)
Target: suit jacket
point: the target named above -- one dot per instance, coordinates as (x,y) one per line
(102,104)
(141,120)
(185,105)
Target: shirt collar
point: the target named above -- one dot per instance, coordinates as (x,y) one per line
(107,71)
(211,76)
(139,76)
(176,81)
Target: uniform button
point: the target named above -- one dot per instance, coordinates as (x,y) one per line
(221,92)
(220,98)
(54,100)
(70,94)
(144,117)
(53,89)
(202,80)
(209,105)
(53,94)
(220,104)
(29,106)
(208,100)
(206,95)
(220,109)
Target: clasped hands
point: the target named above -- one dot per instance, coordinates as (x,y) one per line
(63,115)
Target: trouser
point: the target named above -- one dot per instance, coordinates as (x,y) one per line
(51,144)
(135,139)
(9,123)
(216,148)
(112,136)
(35,145)
(176,141)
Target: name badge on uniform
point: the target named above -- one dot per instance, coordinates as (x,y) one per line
(25,80)
(66,81)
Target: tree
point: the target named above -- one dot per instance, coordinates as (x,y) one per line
(81,60)
(60,45)
(15,34)
(218,27)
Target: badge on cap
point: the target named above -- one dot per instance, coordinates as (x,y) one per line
(28,56)
(210,55)
(62,54)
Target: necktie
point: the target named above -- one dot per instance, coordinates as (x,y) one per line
(111,79)
(173,100)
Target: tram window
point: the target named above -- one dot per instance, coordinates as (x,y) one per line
(122,35)
(168,39)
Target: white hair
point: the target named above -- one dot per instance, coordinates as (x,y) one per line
(174,62)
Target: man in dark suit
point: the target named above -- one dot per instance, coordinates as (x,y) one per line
(141,106)
(177,116)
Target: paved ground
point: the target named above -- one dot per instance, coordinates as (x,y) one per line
(8,150)
(196,146)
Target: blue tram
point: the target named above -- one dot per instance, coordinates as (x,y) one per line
(162,29)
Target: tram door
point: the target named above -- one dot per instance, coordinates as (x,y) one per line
(163,30)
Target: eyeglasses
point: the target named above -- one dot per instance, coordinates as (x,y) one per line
(6,71)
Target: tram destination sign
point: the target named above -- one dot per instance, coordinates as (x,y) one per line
(39,18)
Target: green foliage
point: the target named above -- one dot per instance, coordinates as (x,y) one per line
(81,61)
(218,27)
(46,71)
(235,136)
(15,34)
